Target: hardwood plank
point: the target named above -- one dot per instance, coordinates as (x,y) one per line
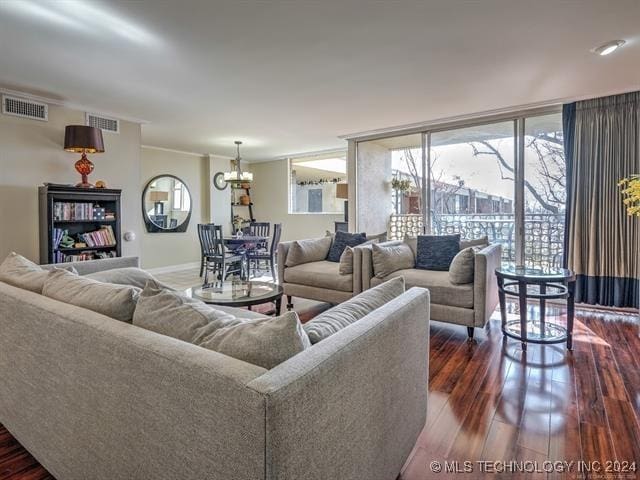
(625,431)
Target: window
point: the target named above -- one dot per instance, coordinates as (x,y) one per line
(181,198)
(472,185)
(318,184)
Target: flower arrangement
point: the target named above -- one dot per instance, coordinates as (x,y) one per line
(630,189)
(401,185)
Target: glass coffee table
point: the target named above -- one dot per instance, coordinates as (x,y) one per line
(238,294)
(542,284)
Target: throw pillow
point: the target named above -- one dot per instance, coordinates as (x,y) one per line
(346,259)
(265,342)
(20,272)
(343,240)
(115,301)
(380,237)
(305,251)
(436,252)
(346,313)
(346,262)
(462,267)
(413,244)
(135,277)
(474,242)
(389,259)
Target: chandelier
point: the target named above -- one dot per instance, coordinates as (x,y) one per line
(237,175)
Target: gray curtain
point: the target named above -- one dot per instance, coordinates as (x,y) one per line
(603,241)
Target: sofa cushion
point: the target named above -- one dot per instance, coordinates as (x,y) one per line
(342,240)
(435,252)
(306,251)
(463,266)
(388,259)
(442,291)
(135,277)
(115,301)
(265,342)
(322,274)
(343,315)
(474,242)
(21,272)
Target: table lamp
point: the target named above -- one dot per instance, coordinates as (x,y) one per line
(157,197)
(83,139)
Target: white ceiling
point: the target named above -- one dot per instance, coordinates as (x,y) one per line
(288,77)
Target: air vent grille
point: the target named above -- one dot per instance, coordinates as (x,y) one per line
(106,124)
(20,107)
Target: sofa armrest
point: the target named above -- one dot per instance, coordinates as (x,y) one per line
(357,270)
(353,405)
(283,250)
(485,287)
(366,265)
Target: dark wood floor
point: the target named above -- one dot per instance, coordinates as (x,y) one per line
(488,400)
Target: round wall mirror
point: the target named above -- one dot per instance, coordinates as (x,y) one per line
(166,205)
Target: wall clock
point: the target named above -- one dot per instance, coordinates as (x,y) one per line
(218,181)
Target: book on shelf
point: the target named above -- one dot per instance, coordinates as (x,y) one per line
(60,257)
(103,237)
(80,211)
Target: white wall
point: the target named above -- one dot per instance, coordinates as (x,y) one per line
(270,192)
(166,249)
(31,153)
(219,200)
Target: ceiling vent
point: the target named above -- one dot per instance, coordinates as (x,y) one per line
(19,107)
(104,123)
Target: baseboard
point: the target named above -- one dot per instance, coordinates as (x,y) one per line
(175,268)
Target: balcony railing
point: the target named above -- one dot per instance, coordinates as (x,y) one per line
(544,233)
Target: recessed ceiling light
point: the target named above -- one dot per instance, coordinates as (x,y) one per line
(609,47)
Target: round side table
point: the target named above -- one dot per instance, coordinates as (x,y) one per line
(542,284)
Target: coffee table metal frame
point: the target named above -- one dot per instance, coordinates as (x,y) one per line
(557,285)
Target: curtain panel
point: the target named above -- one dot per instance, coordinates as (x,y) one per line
(602,244)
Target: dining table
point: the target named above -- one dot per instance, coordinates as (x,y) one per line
(245,242)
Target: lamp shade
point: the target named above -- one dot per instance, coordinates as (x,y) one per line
(342,190)
(83,139)
(159,196)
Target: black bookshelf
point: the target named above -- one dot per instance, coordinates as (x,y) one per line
(50,195)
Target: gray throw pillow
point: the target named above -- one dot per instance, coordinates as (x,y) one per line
(389,259)
(265,342)
(346,262)
(346,259)
(462,267)
(133,276)
(306,251)
(436,252)
(115,301)
(413,244)
(20,272)
(343,315)
(474,242)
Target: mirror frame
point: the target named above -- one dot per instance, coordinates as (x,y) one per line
(152,227)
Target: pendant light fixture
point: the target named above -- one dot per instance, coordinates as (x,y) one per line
(237,175)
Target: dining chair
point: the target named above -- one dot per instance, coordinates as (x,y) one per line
(254,257)
(217,260)
(260,229)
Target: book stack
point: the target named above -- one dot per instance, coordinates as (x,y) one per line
(60,257)
(72,211)
(99,238)
(58,233)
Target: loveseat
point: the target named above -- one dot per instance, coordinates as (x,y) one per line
(92,397)
(470,304)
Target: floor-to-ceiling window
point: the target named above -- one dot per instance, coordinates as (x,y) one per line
(503,179)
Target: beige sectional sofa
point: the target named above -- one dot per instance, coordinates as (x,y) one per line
(470,304)
(95,398)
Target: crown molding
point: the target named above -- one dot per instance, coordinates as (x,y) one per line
(71,105)
(529,108)
(172,150)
